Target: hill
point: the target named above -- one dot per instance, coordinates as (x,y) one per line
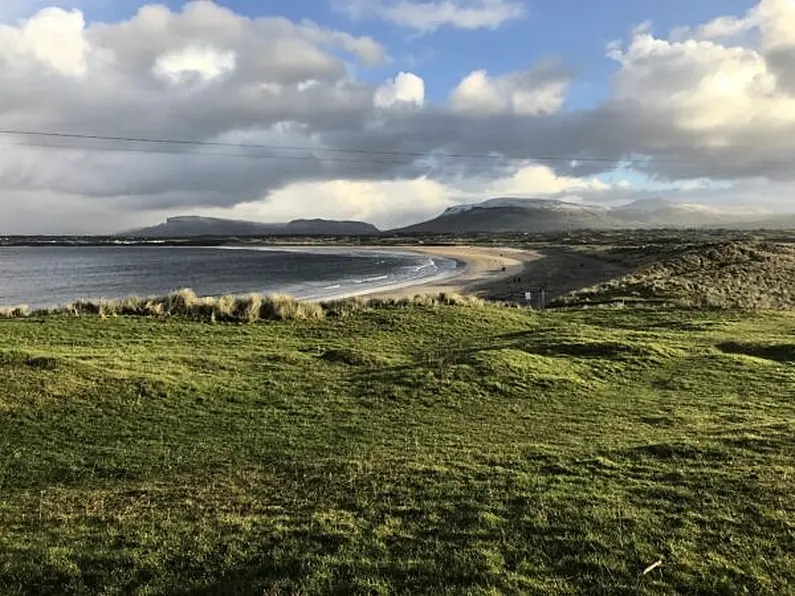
(188,226)
(661,212)
(422,450)
(747,275)
(516,215)
(534,216)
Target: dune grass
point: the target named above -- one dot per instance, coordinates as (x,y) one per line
(250,309)
(745,275)
(431,449)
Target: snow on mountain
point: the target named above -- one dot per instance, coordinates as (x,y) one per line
(551,205)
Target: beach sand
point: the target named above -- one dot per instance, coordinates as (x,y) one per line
(484,270)
(507,274)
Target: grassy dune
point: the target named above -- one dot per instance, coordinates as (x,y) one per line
(724,275)
(431,449)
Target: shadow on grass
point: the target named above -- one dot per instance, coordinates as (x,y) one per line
(440,360)
(775,352)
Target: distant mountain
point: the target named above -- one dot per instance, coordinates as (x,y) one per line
(501,214)
(785,221)
(518,215)
(189,226)
(668,213)
(510,214)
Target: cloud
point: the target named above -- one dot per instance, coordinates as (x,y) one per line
(262,80)
(715,102)
(385,203)
(405,88)
(538,180)
(537,91)
(206,63)
(428,16)
(720,108)
(54,38)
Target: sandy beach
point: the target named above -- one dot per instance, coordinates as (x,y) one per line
(490,272)
(484,269)
(506,274)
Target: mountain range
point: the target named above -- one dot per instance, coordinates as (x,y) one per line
(508,214)
(189,225)
(503,214)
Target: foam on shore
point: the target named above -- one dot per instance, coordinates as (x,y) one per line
(430,270)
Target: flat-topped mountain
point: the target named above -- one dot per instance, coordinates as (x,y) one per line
(189,226)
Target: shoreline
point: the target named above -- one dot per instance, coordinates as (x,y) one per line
(391,289)
(484,270)
(501,274)
(480,271)
(505,274)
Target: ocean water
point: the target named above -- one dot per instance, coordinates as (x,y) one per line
(52,276)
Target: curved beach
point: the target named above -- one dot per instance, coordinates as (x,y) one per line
(484,270)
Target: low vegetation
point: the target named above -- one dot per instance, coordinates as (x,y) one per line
(728,275)
(254,307)
(431,449)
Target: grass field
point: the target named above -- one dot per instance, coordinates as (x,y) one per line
(443,449)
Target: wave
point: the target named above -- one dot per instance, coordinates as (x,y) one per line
(370,279)
(418,269)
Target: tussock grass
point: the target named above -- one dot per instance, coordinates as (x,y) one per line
(248,309)
(15,312)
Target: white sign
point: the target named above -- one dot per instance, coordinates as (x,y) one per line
(528,296)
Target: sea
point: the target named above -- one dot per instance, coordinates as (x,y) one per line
(43,277)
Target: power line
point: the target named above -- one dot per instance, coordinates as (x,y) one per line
(272,147)
(119,149)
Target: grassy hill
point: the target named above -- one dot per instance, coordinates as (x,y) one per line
(464,449)
(744,275)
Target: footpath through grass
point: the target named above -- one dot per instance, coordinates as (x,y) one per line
(423,450)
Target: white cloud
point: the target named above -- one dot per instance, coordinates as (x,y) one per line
(724,27)
(430,15)
(476,94)
(540,180)
(53,37)
(405,88)
(206,63)
(385,203)
(727,104)
(528,93)
(776,19)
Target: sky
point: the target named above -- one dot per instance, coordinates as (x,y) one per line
(388,111)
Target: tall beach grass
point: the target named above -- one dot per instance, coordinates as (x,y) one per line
(249,309)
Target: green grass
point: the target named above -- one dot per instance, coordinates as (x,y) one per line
(426,449)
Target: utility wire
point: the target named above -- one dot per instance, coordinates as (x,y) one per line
(157,151)
(272,147)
